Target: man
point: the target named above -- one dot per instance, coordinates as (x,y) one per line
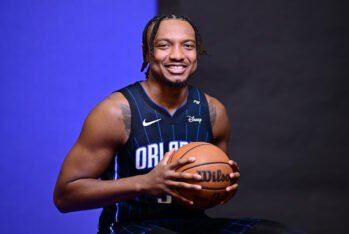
(119,161)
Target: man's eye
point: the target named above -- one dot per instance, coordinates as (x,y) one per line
(162,46)
(189,46)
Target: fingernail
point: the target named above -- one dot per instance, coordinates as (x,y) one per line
(192,159)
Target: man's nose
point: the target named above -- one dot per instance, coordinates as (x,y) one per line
(177,53)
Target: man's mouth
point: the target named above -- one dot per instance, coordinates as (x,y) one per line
(176,69)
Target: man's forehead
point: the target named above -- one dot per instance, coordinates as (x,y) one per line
(173,27)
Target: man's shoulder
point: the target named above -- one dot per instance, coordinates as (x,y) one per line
(214,102)
(112,106)
(116,98)
(109,119)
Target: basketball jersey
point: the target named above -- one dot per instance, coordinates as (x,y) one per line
(154,131)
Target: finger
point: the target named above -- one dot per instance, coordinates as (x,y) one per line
(231,162)
(179,184)
(167,156)
(234,165)
(181,162)
(186,176)
(231,190)
(234,175)
(233,187)
(179,197)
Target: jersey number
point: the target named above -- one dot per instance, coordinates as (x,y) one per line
(165,199)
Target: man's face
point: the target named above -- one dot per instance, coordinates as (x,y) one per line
(175,55)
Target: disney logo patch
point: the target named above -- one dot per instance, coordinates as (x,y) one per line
(192,119)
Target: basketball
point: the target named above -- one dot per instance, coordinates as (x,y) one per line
(212,164)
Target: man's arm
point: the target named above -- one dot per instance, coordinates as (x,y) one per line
(106,128)
(220,124)
(103,132)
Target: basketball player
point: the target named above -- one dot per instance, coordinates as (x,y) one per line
(119,162)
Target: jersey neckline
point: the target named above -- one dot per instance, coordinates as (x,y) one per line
(152,103)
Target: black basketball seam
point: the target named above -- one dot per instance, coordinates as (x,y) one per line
(201,164)
(188,151)
(206,188)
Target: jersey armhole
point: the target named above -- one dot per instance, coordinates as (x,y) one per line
(124,93)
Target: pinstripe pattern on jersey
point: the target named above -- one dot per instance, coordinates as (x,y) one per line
(147,144)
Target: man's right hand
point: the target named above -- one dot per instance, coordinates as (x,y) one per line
(164,179)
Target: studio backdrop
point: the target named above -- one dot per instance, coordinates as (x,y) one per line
(281,69)
(58,60)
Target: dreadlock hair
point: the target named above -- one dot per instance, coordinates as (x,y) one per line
(149,46)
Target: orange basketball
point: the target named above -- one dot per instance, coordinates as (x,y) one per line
(212,164)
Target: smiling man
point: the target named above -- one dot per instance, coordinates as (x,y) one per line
(173,54)
(120,160)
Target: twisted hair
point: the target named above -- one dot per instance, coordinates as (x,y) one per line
(148,46)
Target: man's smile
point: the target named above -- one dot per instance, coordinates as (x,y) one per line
(176,69)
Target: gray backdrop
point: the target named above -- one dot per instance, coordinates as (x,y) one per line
(281,69)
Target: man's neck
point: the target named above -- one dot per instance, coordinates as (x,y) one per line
(170,98)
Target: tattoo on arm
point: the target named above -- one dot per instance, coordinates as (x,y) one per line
(126,113)
(212,110)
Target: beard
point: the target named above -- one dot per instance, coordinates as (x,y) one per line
(174,84)
(177,84)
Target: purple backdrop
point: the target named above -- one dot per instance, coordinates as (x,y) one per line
(58,59)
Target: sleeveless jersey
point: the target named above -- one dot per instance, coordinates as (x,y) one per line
(154,131)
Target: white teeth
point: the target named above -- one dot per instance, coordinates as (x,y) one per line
(176,67)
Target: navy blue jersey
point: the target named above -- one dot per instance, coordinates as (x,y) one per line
(154,131)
